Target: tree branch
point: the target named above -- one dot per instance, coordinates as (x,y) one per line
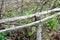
(30,24)
(29,16)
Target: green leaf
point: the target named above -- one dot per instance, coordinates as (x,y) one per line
(30,33)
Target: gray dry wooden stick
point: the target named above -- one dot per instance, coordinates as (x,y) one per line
(30,24)
(29,16)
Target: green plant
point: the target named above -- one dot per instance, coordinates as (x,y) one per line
(11,14)
(31,11)
(53,23)
(3,36)
(32,31)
